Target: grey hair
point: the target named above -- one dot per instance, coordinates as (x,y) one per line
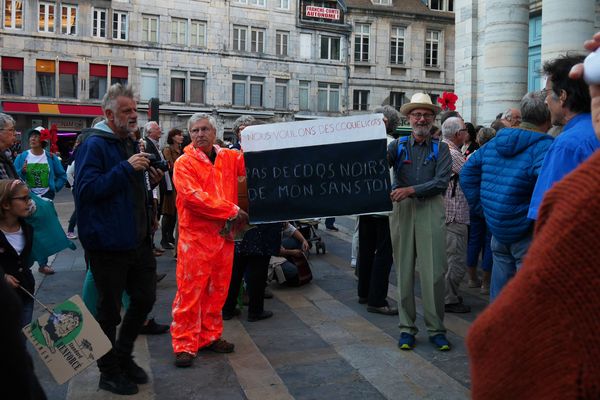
(507,114)
(451,126)
(6,119)
(148,126)
(534,109)
(485,135)
(392,116)
(243,120)
(200,116)
(109,101)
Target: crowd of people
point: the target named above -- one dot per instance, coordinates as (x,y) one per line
(464,197)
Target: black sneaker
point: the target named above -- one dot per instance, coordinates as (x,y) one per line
(257,317)
(153,328)
(458,308)
(227,316)
(134,372)
(117,383)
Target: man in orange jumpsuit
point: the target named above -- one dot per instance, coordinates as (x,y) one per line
(206,177)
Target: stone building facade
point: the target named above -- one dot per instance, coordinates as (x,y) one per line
(288,59)
(501,45)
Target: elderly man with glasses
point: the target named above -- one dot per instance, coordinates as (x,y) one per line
(7,139)
(206,177)
(422,168)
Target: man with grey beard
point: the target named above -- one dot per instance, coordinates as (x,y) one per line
(422,167)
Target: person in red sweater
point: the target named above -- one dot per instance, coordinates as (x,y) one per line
(538,340)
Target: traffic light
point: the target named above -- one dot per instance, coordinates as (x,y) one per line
(153,104)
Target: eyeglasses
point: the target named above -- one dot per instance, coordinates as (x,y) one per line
(418,116)
(13,130)
(544,92)
(22,198)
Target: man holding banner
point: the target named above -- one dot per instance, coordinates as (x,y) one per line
(206,177)
(417,224)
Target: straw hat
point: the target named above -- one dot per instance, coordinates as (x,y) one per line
(419,100)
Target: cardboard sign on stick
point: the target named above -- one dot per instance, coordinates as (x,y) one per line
(69,340)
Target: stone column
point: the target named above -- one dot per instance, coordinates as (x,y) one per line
(465,60)
(566,25)
(505,56)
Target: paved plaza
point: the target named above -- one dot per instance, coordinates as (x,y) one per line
(320,344)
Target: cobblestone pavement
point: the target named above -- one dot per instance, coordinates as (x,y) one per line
(320,344)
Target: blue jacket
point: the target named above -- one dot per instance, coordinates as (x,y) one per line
(572,147)
(110,196)
(57,176)
(498,180)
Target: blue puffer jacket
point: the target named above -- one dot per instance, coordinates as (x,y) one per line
(499,178)
(110,196)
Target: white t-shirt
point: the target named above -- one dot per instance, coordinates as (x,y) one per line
(38,173)
(16,240)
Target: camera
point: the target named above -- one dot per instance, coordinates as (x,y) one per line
(158,163)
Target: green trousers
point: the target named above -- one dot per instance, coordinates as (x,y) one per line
(418,231)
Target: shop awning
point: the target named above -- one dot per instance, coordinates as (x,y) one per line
(51,109)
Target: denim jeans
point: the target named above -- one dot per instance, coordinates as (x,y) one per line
(507,261)
(479,241)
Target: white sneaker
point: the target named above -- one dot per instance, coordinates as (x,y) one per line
(71,235)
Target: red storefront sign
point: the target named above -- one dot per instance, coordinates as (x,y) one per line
(322,12)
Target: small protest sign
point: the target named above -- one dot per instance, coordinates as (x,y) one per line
(318,168)
(67,340)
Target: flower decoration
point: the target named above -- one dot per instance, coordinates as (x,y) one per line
(447,101)
(54,139)
(45,135)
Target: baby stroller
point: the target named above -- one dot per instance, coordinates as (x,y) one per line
(308,228)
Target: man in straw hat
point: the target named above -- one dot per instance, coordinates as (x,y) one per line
(417,224)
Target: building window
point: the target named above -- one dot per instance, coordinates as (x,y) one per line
(382,2)
(361,43)
(242,97)
(257,40)
(397,45)
(198,34)
(178,31)
(149,83)
(281,45)
(68,19)
(239,90)
(284,4)
(98,76)
(260,3)
(303,95)
(12,76)
(46,17)
(330,48)
(396,100)
(432,45)
(239,38)
(441,5)
(329,97)
(281,94)
(197,87)
(45,78)
(67,79)
(256,91)
(13,14)
(99,22)
(118,74)
(360,100)
(178,79)
(119,25)
(150,28)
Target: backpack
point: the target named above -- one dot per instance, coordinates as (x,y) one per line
(401,148)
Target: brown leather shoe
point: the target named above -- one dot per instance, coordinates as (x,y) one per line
(221,346)
(183,360)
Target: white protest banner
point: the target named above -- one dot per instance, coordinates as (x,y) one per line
(68,340)
(317,168)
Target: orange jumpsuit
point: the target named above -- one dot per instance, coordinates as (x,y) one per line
(206,198)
